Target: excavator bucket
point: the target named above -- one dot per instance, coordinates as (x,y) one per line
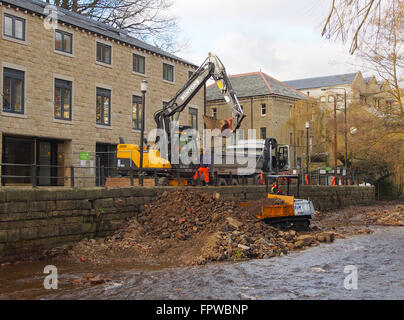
(213,124)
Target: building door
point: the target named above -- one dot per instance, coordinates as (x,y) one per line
(105,162)
(47,161)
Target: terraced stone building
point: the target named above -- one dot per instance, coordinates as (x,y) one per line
(72,89)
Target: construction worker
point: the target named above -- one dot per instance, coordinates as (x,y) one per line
(275,189)
(203,170)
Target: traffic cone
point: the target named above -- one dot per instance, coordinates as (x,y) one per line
(340,181)
(306,179)
(333,181)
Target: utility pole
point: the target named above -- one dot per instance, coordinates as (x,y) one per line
(335,138)
(307,147)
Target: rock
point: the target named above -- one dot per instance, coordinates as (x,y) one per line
(298,244)
(216,217)
(89,276)
(264,242)
(96,280)
(216,196)
(321,238)
(234,223)
(243,247)
(306,239)
(292,233)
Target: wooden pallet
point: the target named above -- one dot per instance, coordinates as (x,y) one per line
(125,182)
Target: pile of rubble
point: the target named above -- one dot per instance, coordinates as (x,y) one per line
(194,228)
(394,217)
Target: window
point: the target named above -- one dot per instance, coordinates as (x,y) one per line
(323,99)
(137,112)
(290,138)
(214,113)
(14,27)
(63,100)
(168,72)
(103,108)
(330,98)
(290,110)
(340,97)
(104,53)
(193,117)
(263,133)
(139,64)
(263,109)
(13,91)
(63,41)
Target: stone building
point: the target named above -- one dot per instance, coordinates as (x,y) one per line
(71,89)
(323,90)
(267,103)
(359,90)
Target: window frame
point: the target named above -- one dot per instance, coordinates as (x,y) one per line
(263,106)
(137,56)
(14,74)
(103,92)
(103,46)
(193,112)
(173,71)
(263,129)
(63,85)
(214,113)
(64,34)
(14,18)
(138,111)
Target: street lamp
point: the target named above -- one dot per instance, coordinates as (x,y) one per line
(143,88)
(307,147)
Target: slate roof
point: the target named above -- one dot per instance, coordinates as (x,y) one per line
(89,24)
(329,81)
(255,84)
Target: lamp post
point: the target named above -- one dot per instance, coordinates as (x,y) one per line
(345,133)
(307,147)
(143,88)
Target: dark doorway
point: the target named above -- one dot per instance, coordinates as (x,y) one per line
(50,160)
(106,162)
(18,155)
(22,154)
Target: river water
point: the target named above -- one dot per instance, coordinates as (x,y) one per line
(316,273)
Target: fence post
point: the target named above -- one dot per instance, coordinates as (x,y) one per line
(102,177)
(131,176)
(72,176)
(231,178)
(156,180)
(216,178)
(33,174)
(178,178)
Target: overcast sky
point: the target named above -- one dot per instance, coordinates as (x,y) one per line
(280,37)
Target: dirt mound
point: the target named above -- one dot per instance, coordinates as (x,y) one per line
(186,227)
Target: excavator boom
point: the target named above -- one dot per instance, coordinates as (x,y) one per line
(211,68)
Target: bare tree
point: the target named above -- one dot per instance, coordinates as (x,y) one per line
(144,19)
(355,20)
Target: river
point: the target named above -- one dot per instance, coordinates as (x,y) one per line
(316,273)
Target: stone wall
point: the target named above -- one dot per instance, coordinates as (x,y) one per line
(34,219)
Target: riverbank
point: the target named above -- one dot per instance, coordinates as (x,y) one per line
(187,228)
(193,228)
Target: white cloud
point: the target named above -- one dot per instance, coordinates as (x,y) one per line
(280,37)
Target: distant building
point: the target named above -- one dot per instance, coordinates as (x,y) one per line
(358,89)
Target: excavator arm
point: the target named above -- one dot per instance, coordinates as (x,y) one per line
(211,68)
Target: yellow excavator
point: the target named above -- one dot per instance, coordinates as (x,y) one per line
(128,155)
